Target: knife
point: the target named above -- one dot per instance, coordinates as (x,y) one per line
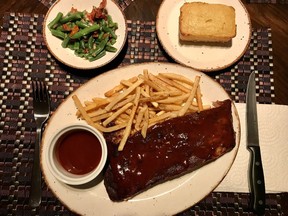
(256,175)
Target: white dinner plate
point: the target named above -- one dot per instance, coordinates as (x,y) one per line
(164,199)
(67,56)
(203,57)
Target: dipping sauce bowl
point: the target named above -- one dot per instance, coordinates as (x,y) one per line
(77,154)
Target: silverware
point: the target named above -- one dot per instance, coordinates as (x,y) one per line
(41,107)
(256,175)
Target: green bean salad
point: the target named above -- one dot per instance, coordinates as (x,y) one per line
(89,35)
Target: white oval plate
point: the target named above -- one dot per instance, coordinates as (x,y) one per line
(67,56)
(164,199)
(202,57)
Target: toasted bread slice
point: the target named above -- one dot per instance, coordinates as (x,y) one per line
(205,22)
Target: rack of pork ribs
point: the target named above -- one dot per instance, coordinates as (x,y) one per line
(171,148)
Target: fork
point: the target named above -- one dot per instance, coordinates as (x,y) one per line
(41,106)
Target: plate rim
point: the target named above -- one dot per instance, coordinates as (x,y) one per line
(44,33)
(69,97)
(204,69)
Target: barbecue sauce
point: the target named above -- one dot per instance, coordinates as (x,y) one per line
(170,149)
(79,151)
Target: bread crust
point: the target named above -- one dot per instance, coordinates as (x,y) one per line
(203,22)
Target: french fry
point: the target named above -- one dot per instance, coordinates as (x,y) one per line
(179,77)
(174,100)
(82,110)
(94,105)
(160,83)
(145,93)
(126,83)
(184,109)
(116,114)
(118,88)
(153,98)
(145,124)
(89,120)
(100,117)
(170,107)
(129,99)
(95,113)
(199,99)
(168,93)
(123,95)
(140,117)
(114,90)
(150,83)
(145,74)
(174,84)
(137,103)
(159,118)
(129,124)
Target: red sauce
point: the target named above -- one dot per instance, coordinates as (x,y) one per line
(79,151)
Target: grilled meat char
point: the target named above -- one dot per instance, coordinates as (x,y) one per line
(172,148)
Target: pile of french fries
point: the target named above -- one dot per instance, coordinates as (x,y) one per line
(140,102)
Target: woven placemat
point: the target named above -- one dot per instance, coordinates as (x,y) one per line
(23,57)
(122,3)
(268,1)
(125,3)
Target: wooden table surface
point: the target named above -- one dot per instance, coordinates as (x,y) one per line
(262,15)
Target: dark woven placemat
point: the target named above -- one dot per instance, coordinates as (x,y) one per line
(125,3)
(268,1)
(24,57)
(122,3)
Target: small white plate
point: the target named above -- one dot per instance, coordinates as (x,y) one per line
(167,198)
(67,56)
(202,57)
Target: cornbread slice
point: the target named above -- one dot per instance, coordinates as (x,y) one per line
(205,22)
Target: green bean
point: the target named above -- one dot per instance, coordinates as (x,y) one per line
(100,36)
(60,28)
(82,44)
(100,47)
(103,23)
(111,24)
(110,48)
(88,39)
(90,42)
(55,20)
(98,56)
(109,19)
(85,31)
(80,54)
(71,46)
(82,24)
(112,41)
(110,31)
(76,45)
(65,42)
(66,27)
(72,17)
(58,34)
